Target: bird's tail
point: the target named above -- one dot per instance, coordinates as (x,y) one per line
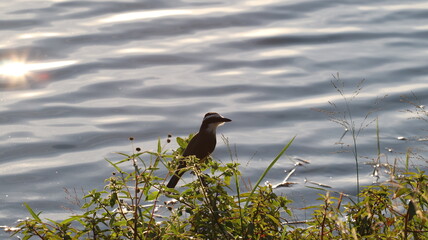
(175,178)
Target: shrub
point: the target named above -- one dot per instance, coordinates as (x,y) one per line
(212,207)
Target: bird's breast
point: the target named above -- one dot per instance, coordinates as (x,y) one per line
(201,145)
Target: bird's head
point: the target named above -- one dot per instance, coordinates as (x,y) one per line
(212,120)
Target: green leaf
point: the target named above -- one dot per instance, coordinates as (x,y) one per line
(86,205)
(113,199)
(274,219)
(74,218)
(317,188)
(115,166)
(153,195)
(124,154)
(126,194)
(401,191)
(309,207)
(227,180)
(159,146)
(52,221)
(181,142)
(246,194)
(33,214)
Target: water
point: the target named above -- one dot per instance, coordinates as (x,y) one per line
(98,72)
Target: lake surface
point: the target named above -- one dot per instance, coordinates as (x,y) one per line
(78,78)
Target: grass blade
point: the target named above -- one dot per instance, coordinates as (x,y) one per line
(267,170)
(33,214)
(115,166)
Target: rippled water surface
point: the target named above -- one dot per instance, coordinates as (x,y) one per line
(77,78)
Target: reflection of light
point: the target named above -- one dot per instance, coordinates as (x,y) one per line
(19,69)
(143,15)
(32,94)
(133,16)
(13,69)
(299,103)
(141,50)
(199,39)
(229,73)
(337,29)
(14,72)
(396,7)
(424,27)
(275,72)
(49,65)
(111,120)
(267,32)
(258,3)
(279,31)
(280,53)
(39,35)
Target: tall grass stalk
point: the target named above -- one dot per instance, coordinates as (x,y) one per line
(408,152)
(349,124)
(237,185)
(346,119)
(378,137)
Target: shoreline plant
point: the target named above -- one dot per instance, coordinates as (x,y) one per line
(128,206)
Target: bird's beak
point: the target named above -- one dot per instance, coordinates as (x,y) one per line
(223,119)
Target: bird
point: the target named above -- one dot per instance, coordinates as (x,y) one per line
(201,145)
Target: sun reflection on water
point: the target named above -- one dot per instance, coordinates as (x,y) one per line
(16,72)
(13,69)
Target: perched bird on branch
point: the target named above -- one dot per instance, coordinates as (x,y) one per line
(201,145)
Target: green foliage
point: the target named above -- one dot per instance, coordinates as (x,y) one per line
(126,207)
(394,210)
(211,208)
